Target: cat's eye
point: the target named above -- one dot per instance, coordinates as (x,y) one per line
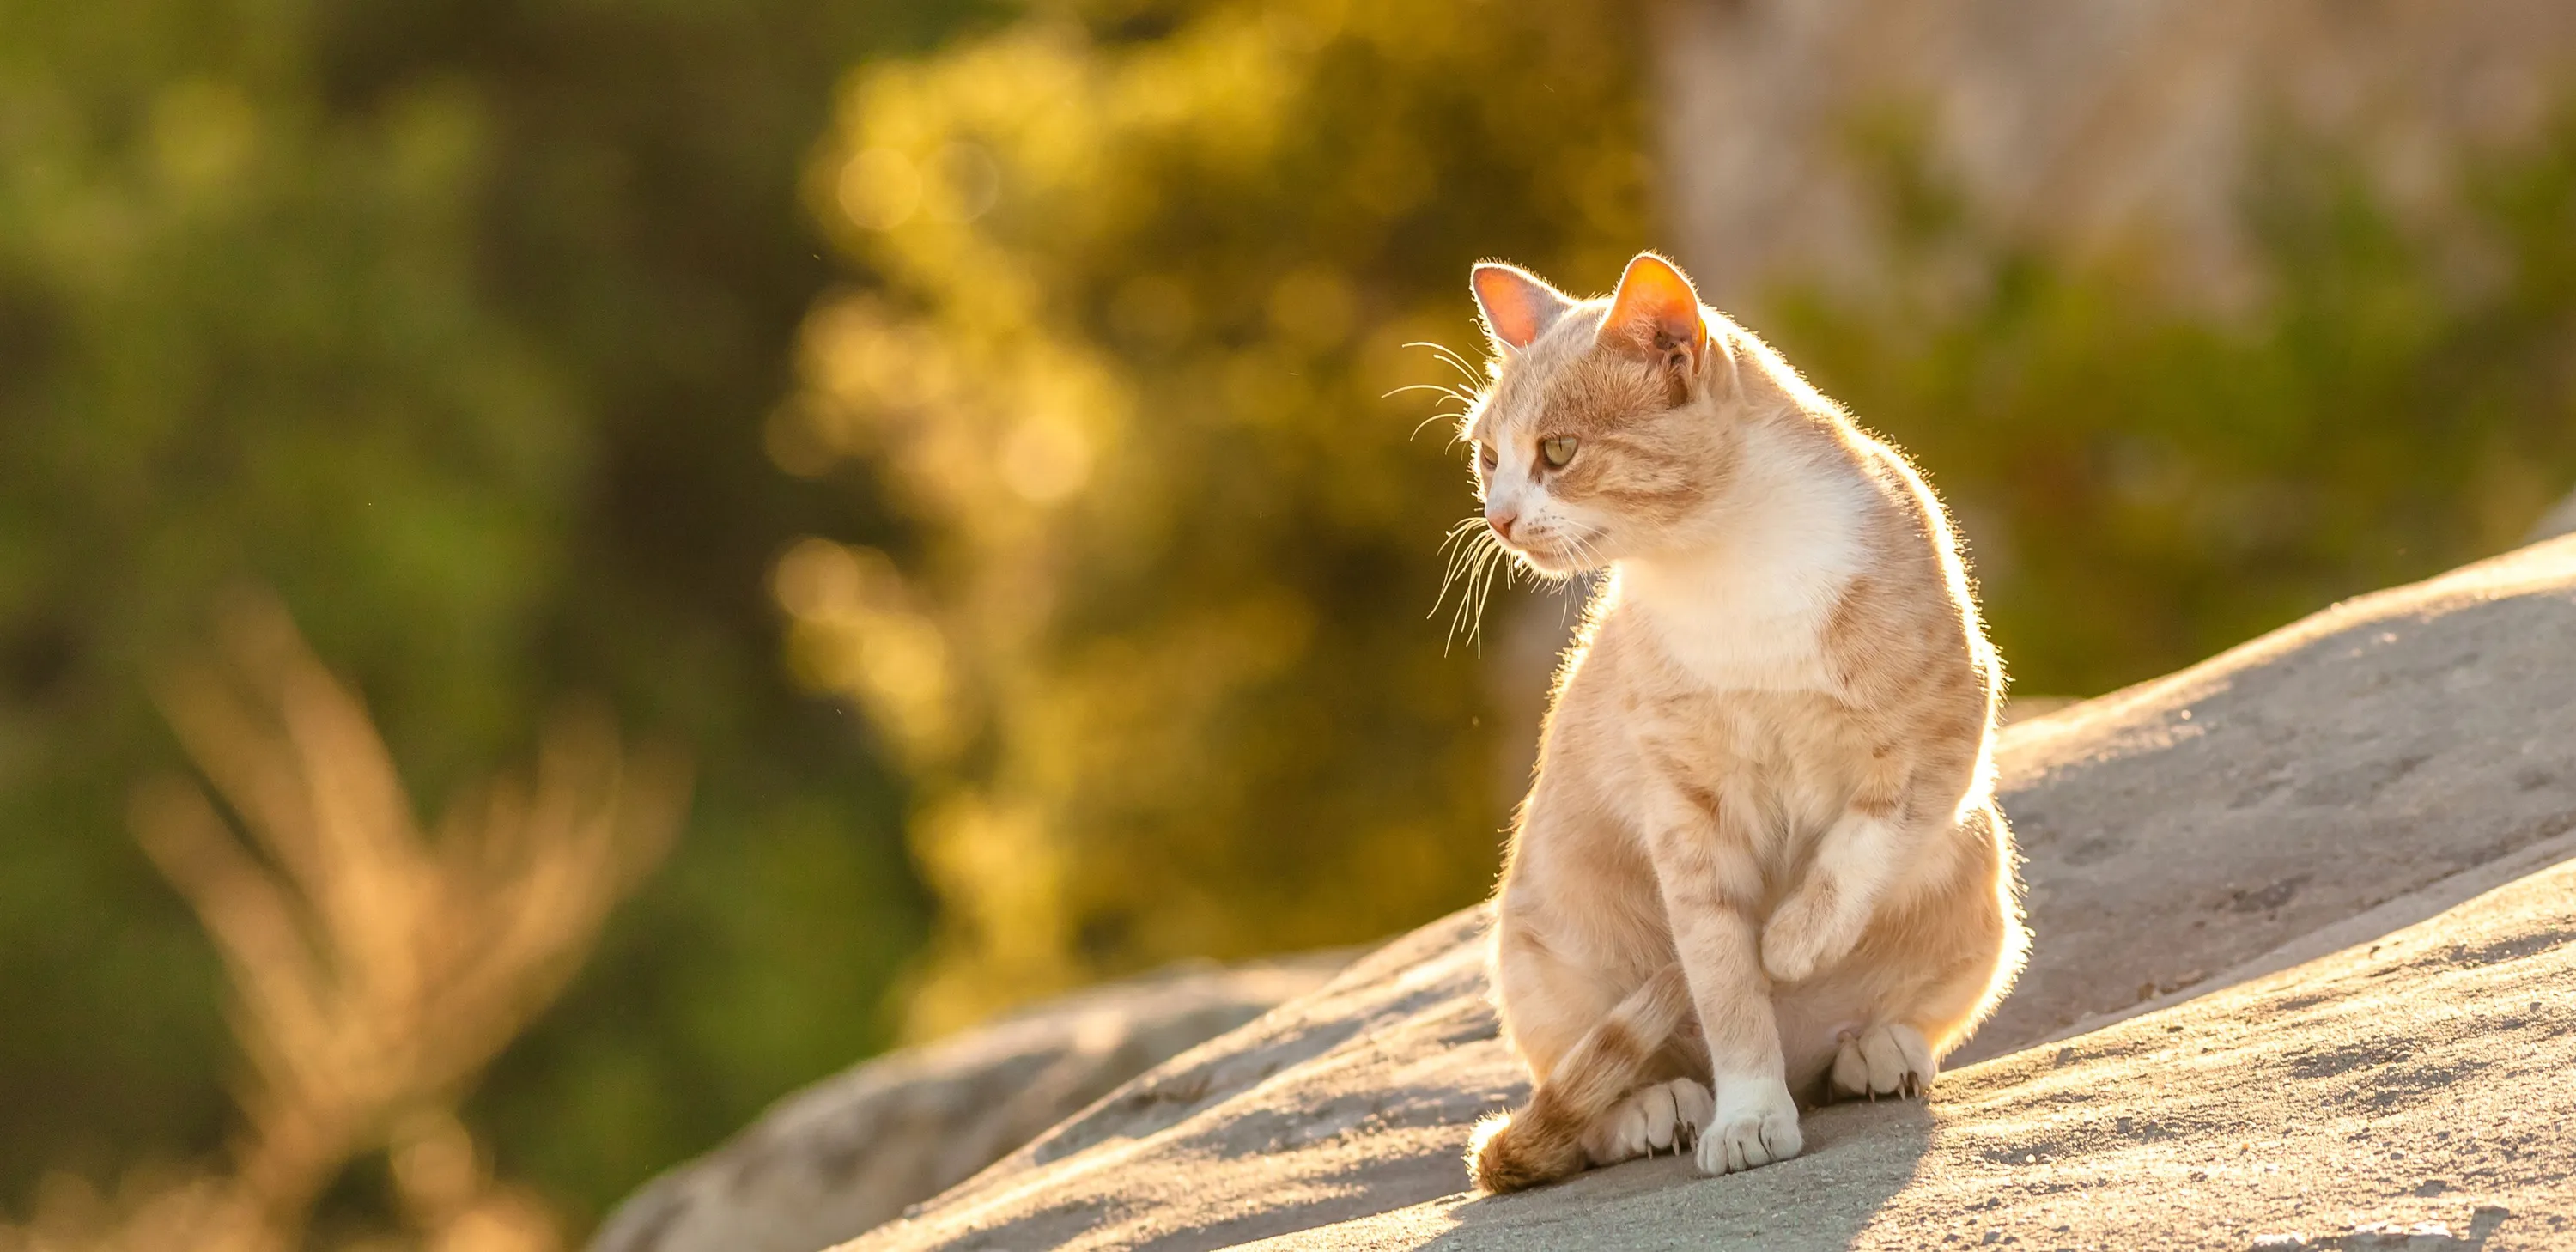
(1485,457)
(1557,451)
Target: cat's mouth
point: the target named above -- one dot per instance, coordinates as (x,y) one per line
(1560,554)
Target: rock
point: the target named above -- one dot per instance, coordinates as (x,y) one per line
(2342,1084)
(2296,781)
(2251,1027)
(2559,520)
(849,1152)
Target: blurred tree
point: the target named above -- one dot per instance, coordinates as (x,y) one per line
(456,323)
(463,326)
(1160,659)
(1155,659)
(2144,487)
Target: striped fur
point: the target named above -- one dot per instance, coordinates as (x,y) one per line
(1544,1141)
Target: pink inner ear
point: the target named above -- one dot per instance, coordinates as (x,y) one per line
(1518,306)
(1656,309)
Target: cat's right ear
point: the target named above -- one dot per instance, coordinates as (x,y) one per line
(1518,305)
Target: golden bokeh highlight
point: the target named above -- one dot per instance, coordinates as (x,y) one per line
(1153,652)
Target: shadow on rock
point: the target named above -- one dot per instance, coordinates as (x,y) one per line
(1857,1157)
(2251,1018)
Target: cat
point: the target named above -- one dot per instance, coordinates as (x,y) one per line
(1760,855)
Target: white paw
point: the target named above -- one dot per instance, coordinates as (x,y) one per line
(1662,1117)
(1756,1124)
(1884,1061)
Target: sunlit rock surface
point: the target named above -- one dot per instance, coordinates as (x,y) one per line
(2301,975)
(852,1151)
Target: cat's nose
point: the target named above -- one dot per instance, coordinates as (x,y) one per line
(1501,522)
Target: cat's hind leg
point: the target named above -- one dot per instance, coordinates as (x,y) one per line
(1885,1060)
(1544,1140)
(1656,1118)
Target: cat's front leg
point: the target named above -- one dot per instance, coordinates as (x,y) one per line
(1823,918)
(1855,862)
(1710,884)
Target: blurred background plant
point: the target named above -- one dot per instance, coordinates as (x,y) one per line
(1157,658)
(1154,660)
(455,325)
(375,970)
(2148,484)
(965,427)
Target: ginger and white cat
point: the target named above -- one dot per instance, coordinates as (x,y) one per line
(1761,855)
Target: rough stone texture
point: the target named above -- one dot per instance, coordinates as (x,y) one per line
(2417,1084)
(2231,826)
(852,1151)
(2297,780)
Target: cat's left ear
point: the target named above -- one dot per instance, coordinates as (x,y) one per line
(1655,317)
(1518,305)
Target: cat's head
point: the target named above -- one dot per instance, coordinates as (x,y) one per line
(1605,429)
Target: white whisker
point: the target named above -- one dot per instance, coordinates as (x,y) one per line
(1468,396)
(1481,589)
(1447,389)
(1477,587)
(1453,358)
(1471,600)
(1588,558)
(1481,552)
(1454,436)
(1461,544)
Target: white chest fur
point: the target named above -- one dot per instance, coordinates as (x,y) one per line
(1747,611)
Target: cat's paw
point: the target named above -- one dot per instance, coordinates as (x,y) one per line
(1660,1117)
(1890,1060)
(1756,1124)
(1804,934)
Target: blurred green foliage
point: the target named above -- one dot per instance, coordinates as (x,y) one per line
(2145,486)
(455,324)
(1157,660)
(467,328)
(1160,660)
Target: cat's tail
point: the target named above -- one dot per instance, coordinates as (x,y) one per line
(1544,1141)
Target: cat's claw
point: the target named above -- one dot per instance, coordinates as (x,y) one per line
(1664,1116)
(1751,1131)
(1890,1060)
